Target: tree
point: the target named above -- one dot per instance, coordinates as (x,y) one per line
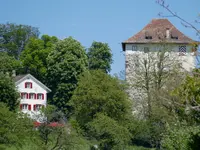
(181,137)
(163,4)
(8,63)
(100,104)
(8,94)
(14,127)
(99,56)
(13,38)
(98,92)
(152,76)
(34,57)
(108,133)
(67,60)
(189,98)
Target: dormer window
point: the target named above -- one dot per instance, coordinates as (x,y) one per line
(174,36)
(148,37)
(28,85)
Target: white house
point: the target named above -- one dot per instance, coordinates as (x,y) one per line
(33,94)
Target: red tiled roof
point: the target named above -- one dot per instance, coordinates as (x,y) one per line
(156,30)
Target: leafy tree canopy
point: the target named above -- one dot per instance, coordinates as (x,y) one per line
(64,64)
(100,56)
(34,56)
(14,129)
(8,63)
(8,94)
(13,37)
(98,92)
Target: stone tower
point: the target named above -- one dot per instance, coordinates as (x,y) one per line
(158,35)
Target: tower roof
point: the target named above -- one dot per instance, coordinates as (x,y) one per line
(159,30)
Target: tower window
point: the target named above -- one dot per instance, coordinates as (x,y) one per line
(134,48)
(182,50)
(146,49)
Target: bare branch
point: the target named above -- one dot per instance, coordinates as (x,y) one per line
(174,14)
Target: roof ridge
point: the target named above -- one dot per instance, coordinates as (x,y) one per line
(161,24)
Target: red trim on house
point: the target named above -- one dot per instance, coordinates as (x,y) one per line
(29,107)
(51,124)
(34,107)
(25,84)
(31,85)
(22,94)
(43,96)
(35,96)
(27,95)
(20,106)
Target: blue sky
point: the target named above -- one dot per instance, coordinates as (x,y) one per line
(110,21)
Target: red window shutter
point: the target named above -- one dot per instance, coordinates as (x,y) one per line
(29,107)
(34,106)
(35,95)
(42,96)
(31,85)
(25,85)
(20,106)
(27,95)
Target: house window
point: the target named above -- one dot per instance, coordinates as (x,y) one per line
(40,96)
(37,107)
(146,49)
(24,96)
(182,50)
(32,96)
(24,106)
(28,85)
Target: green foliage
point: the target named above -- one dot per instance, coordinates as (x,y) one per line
(98,92)
(108,133)
(8,63)
(34,57)
(8,93)
(189,98)
(13,38)
(14,128)
(100,56)
(100,107)
(67,60)
(182,138)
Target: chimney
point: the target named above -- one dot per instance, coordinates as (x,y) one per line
(13,73)
(167,33)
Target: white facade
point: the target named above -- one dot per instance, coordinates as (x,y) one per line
(187,59)
(135,54)
(33,95)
